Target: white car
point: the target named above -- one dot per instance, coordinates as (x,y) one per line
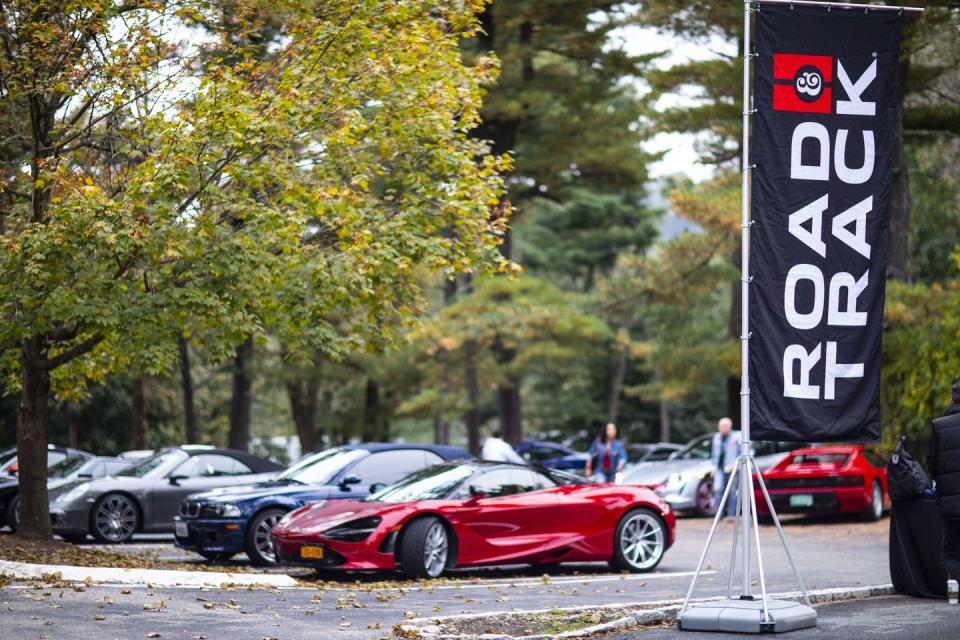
(685,479)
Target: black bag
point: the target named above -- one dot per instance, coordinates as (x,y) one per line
(906,479)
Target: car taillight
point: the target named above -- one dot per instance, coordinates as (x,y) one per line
(850,481)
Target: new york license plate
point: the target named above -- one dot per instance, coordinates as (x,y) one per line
(801,500)
(311,552)
(181,530)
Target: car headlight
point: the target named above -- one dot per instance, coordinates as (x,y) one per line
(75,493)
(353,531)
(674,483)
(224,510)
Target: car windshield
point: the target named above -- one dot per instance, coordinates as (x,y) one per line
(156,465)
(432,483)
(322,467)
(67,466)
(7,458)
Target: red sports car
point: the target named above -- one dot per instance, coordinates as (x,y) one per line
(480,513)
(838,479)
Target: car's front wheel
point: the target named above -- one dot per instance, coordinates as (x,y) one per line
(705,498)
(259,542)
(115,518)
(875,511)
(424,548)
(639,541)
(13,513)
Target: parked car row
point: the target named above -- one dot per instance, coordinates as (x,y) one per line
(423,509)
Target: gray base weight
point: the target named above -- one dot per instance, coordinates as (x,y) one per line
(746,616)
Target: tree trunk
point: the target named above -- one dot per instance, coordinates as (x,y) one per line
(242,398)
(32,441)
(138,414)
(371,412)
(511,419)
(471,418)
(898,250)
(664,421)
(303,406)
(186,385)
(616,386)
(73,429)
(441,430)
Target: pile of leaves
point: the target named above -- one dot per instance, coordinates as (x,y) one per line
(56,552)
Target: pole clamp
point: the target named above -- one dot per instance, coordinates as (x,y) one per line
(751,112)
(748,279)
(749,167)
(748,336)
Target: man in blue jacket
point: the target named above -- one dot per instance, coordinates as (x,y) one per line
(723,453)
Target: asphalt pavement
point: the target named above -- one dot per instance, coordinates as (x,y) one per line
(885,617)
(831,553)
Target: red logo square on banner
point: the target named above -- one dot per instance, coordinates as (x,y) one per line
(801,83)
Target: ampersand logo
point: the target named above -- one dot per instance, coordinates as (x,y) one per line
(801,82)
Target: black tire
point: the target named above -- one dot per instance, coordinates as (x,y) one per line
(258,543)
(115,518)
(425,548)
(639,542)
(74,538)
(13,513)
(214,556)
(705,498)
(875,511)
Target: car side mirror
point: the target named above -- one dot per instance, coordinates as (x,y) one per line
(348,480)
(175,480)
(377,486)
(84,475)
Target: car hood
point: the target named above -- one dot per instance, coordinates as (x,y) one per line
(256,491)
(658,472)
(321,516)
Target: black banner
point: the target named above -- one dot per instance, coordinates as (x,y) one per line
(825,94)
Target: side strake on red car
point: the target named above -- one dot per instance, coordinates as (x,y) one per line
(481,513)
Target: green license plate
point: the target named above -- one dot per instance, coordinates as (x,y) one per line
(801,500)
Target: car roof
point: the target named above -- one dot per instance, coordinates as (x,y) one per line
(446,452)
(256,463)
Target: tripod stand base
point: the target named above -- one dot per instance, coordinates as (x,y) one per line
(746,616)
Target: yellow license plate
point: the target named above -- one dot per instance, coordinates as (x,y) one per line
(314,553)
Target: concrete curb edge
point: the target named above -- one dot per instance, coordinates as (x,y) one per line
(649,613)
(155,577)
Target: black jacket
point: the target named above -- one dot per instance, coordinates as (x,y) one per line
(943,461)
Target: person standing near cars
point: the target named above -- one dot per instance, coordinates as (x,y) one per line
(499,450)
(607,455)
(943,462)
(723,452)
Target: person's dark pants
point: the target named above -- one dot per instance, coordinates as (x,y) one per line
(951,546)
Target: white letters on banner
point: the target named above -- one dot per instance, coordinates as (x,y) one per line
(839,297)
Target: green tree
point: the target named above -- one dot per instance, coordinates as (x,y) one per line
(162,200)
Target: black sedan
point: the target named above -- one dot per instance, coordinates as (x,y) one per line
(146,496)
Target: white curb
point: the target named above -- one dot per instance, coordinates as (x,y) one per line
(647,613)
(155,577)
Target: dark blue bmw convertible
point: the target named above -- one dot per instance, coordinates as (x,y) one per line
(221,523)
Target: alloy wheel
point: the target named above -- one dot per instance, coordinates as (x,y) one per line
(435,550)
(263,537)
(642,541)
(116,518)
(877,503)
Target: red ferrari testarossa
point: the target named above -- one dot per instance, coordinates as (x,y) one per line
(475,513)
(822,480)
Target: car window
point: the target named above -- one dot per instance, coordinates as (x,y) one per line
(432,483)
(389,467)
(66,467)
(112,467)
(156,465)
(837,459)
(507,482)
(697,450)
(539,453)
(660,453)
(873,458)
(211,464)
